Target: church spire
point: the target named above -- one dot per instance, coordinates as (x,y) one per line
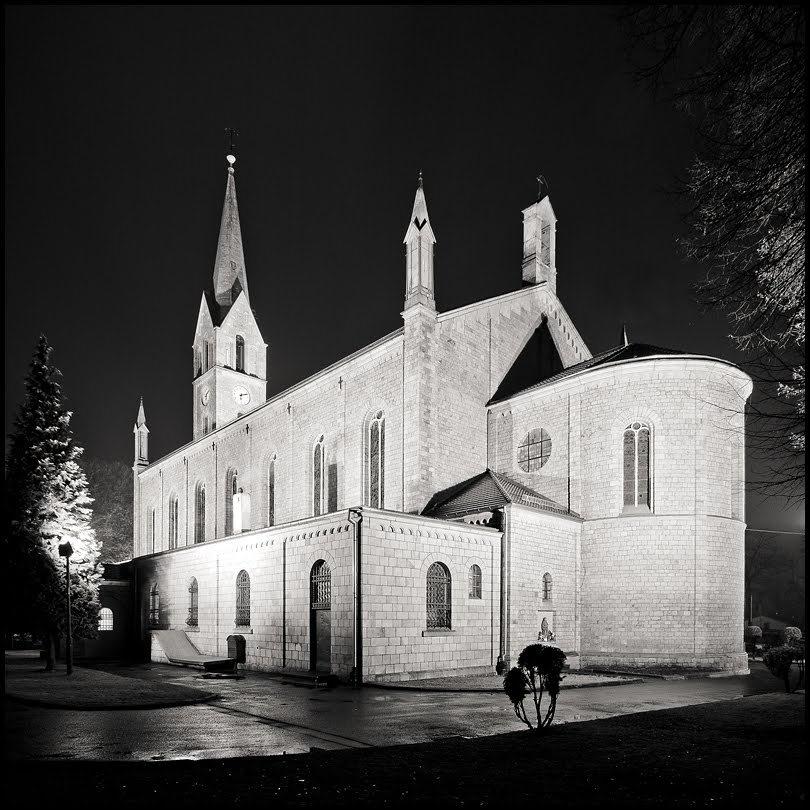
(141,438)
(419,240)
(625,341)
(230,277)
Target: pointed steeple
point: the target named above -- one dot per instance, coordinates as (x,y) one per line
(419,240)
(230,276)
(141,438)
(625,341)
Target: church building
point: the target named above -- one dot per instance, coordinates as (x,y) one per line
(469,484)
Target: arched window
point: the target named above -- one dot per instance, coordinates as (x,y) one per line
(207,356)
(438,597)
(475,582)
(199,513)
(271,492)
(240,353)
(320,586)
(546,586)
(317,477)
(231,488)
(375,459)
(243,599)
(154,605)
(193,603)
(534,451)
(173,516)
(105,619)
(152,530)
(636,467)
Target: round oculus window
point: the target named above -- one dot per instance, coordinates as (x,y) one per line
(534,451)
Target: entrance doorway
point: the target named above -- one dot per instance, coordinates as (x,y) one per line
(320,617)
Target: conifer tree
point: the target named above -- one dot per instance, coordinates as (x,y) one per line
(47,503)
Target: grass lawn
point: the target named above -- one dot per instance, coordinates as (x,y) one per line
(733,753)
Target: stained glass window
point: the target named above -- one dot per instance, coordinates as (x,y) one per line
(243,599)
(376,461)
(199,514)
(173,519)
(317,478)
(636,465)
(271,493)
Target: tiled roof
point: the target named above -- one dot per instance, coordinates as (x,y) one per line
(485,492)
(632,351)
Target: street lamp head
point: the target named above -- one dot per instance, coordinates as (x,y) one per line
(65,549)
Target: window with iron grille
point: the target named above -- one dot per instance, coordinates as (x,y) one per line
(154,605)
(475,582)
(271,493)
(243,599)
(105,619)
(320,586)
(193,603)
(376,461)
(636,465)
(534,451)
(438,596)
(546,586)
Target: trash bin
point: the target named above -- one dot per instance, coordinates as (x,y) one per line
(236,648)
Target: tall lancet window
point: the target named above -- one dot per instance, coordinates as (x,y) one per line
(231,488)
(636,467)
(375,458)
(199,513)
(173,515)
(317,477)
(271,492)
(240,353)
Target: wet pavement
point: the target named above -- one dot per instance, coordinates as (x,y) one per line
(262,715)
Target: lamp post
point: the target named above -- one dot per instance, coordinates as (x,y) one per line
(65,550)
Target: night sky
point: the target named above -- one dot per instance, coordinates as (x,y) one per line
(115,178)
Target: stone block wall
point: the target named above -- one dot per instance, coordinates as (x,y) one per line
(539,544)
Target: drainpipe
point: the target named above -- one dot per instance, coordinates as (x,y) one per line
(503,649)
(356,675)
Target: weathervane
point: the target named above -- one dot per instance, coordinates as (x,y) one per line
(231,136)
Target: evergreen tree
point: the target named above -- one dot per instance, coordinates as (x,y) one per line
(47,503)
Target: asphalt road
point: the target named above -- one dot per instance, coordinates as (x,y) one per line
(260,716)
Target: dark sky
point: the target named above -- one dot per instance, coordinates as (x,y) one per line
(115,177)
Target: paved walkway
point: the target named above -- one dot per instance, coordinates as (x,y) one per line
(112,686)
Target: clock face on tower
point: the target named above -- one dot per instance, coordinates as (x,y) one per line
(204,395)
(241,395)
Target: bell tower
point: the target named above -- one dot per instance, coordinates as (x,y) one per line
(229,353)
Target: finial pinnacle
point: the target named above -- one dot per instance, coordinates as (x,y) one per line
(420,178)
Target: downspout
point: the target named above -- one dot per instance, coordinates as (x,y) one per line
(284,604)
(356,675)
(503,649)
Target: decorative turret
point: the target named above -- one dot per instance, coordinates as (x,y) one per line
(419,240)
(230,277)
(539,240)
(141,439)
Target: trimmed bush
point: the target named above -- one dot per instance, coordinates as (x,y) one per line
(752,633)
(791,635)
(538,670)
(779,661)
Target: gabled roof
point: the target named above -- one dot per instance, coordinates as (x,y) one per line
(484,493)
(632,351)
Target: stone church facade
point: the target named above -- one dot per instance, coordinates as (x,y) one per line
(443,497)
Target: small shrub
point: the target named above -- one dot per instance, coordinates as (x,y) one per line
(752,633)
(779,661)
(791,635)
(538,670)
